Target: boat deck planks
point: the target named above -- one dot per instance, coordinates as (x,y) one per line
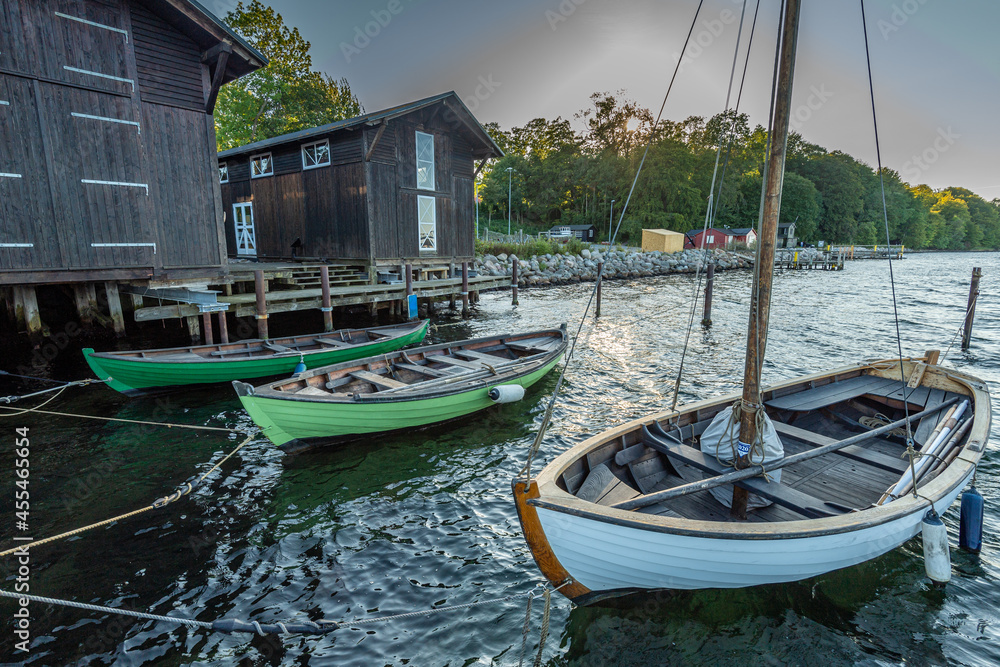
(378,380)
(829,394)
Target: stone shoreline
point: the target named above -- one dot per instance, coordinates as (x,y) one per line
(563,269)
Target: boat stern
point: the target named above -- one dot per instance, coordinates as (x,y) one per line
(101,373)
(538,543)
(251,404)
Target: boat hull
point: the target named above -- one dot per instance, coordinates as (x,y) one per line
(593,552)
(607,557)
(293,422)
(134,376)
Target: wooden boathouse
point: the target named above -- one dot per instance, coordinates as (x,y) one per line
(107,147)
(376,192)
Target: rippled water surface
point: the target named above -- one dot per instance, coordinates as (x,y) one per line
(425,520)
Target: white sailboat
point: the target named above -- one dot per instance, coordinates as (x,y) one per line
(678,500)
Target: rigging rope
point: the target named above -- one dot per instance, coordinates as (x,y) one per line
(526,469)
(710,211)
(911,452)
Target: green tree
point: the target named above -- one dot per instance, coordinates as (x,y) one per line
(285,96)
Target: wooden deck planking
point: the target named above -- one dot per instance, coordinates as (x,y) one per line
(378,380)
(829,394)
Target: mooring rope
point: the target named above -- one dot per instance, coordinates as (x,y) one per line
(322,626)
(184,490)
(547,417)
(114,419)
(972,304)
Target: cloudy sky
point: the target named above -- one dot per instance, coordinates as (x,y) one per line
(936,66)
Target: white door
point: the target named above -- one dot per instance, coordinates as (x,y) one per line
(246,238)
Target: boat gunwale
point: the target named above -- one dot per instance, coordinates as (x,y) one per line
(116,355)
(530,365)
(552,497)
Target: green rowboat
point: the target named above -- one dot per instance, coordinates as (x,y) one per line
(403,390)
(138,372)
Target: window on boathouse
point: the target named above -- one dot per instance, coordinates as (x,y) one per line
(223,172)
(425,161)
(427,220)
(316,154)
(261,165)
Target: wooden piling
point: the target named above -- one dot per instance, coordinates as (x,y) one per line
(32,316)
(85,296)
(223,328)
(260,285)
(194,328)
(115,308)
(19,320)
(408,273)
(513,283)
(324,276)
(206,328)
(465,289)
(600,281)
(706,318)
(970,312)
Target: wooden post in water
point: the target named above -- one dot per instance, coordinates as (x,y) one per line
(465,289)
(324,279)
(206,328)
(260,285)
(970,312)
(115,308)
(760,301)
(706,319)
(408,272)
(513,283)
(223,328)
(85,295)
(600,281)
(32,315)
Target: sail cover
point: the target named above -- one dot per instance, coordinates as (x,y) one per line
(721,440)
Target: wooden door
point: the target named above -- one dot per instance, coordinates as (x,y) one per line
(246,237)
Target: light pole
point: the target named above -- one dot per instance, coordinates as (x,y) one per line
(509,172)
(611,221)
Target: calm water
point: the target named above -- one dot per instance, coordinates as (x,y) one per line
(409,523)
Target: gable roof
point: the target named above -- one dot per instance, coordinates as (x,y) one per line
(742,231)
(486,147)
(694,232)
(207,31)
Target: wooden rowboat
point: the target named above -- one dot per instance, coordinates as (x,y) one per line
(632,509)
(401,390)
(138,371)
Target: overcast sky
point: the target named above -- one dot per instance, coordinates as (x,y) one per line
(936,66)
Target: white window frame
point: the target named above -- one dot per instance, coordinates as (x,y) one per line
(315,144)
(428,164)
(270,165)
(709,238)
(223,172)
(425,204)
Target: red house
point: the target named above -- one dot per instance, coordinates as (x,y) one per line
(714,238)
(743,235)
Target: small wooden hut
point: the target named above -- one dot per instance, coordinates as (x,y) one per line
(383,189)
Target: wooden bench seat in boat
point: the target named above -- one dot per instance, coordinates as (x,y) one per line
(423,370)
(604,488)
(529,344)
(780,494)
(329,342)
(274,347)
(452,361)
(377,380)
(179,356)
(473,354)
(835,392)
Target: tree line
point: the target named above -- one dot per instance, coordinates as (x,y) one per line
(561,176)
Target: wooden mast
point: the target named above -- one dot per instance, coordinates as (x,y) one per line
(760,302)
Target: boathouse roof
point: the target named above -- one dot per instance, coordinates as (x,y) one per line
(207,31)
(483,145)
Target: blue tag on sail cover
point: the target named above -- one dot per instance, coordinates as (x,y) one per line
(743,448)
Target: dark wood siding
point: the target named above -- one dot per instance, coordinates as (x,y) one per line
(465,219)
(385,149)
(26,200)
(168,63)
(182,174)
(16,45)
(83,149)
(388,233)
